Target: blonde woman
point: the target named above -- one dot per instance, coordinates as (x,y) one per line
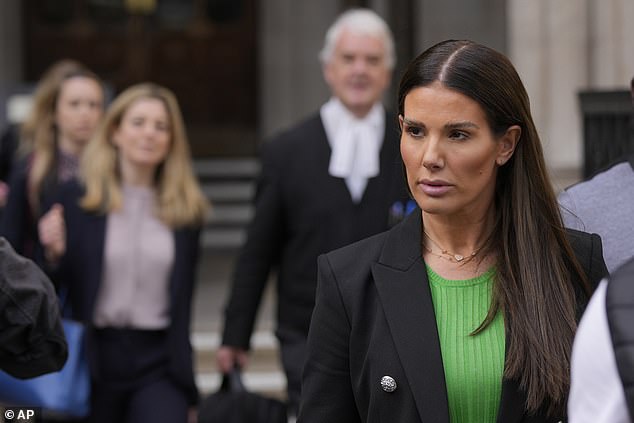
(126,240)
(67,105)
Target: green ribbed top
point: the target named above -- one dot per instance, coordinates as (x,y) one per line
(473,365)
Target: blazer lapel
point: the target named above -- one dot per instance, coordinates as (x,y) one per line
(511,402)
(401,281)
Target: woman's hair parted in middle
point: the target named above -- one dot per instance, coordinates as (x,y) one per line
(38,133)
(533,285)
(179,197)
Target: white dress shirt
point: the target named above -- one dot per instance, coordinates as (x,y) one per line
(596,390)
(355,144)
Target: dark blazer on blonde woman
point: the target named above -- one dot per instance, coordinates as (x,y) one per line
(18,224)
(374,317)
(81,269)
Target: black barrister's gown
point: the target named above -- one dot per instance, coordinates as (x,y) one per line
(302,211)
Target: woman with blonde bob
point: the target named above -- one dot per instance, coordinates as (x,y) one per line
(126,241)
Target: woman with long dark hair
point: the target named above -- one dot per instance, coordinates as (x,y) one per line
(467,309)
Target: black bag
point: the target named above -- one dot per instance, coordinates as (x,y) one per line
(234,404)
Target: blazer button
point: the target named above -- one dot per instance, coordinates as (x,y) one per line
(388,384)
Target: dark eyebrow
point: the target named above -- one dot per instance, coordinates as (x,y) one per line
(410,122)
(461,125)
(449,126)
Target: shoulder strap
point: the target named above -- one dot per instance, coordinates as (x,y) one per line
(620,313)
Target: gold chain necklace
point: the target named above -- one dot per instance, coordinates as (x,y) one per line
(448,255)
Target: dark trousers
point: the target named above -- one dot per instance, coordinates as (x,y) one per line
(131,382)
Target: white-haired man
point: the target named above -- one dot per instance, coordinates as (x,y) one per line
(330,180)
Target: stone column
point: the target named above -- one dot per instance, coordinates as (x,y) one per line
(566,74)
(561,48)
(611,44)
(291,34)
(483,21)
(10,50)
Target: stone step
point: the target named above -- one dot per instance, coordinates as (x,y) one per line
(231,214)
(229,191)
(233,168)
(229,184)
(223,238)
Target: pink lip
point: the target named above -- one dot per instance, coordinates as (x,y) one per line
(435,188)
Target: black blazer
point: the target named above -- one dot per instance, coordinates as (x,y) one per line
(18,225)
(9,142)
(81,269)
(301,212)
(32,340)
(374,316)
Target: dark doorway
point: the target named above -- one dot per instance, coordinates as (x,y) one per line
(203,50)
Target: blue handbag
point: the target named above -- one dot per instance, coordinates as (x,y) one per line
(64,393)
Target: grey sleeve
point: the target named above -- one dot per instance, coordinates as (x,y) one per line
(569,212)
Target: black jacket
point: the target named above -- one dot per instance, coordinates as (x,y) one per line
(81,269)
(18,223)
(32,340)
(374,316)
(9,141)
(301,212)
